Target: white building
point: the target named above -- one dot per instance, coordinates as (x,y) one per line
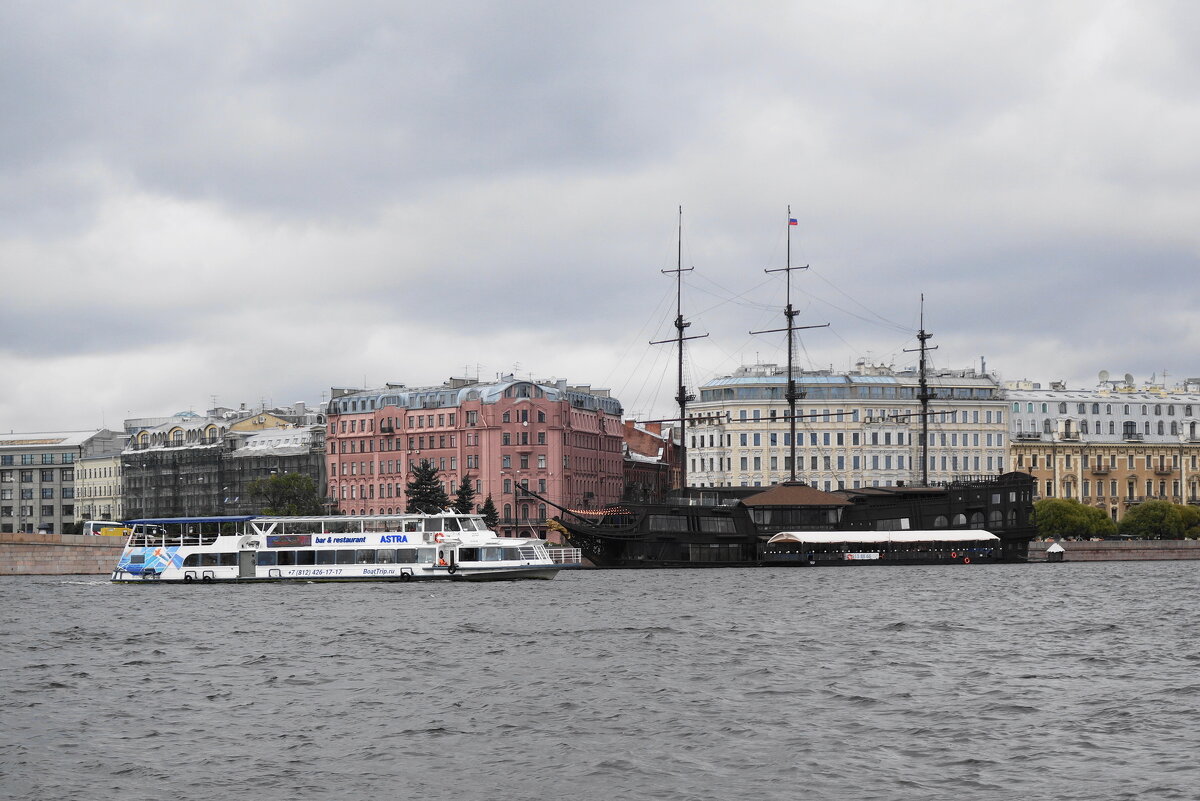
(99,488)
(857,429)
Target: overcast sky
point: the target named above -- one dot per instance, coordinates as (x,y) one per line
(258,201)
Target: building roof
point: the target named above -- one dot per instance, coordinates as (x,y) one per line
(798,494)
(441,397)
(48,439)
(277,442)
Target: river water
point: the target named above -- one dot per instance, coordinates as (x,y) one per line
(1068,681)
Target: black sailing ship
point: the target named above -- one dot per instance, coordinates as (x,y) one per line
(973,519)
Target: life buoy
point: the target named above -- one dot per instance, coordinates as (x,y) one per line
(966,560)
(452,569)
(439,537)
(953,555)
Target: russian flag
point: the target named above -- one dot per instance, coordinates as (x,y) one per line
(792,221)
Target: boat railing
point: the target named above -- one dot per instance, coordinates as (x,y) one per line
(162,539)
(565,556)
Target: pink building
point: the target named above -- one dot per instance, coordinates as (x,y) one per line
(564,443)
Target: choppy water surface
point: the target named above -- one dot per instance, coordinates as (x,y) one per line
(1071,681)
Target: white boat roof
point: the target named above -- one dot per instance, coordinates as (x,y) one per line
(831,537)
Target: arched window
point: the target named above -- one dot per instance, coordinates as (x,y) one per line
(1029,408)
(1157,409)
(1016,406)
(1146,427)
(940,521)
(976,520)
(1083,426)
(1043,408)
(508,511)
(995,518)
(1161,430)
(959,520)
(1046,426)
(1095,408)
(1062,408)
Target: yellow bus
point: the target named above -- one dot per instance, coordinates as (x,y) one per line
(105,528)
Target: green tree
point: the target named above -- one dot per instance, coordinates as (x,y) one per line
(1099,523)
(1190,516)
(286,494)
(1153,520)
(425,492)
(490,516)
(1057,518)
(464,498)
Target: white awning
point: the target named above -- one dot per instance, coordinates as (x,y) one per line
(858,537)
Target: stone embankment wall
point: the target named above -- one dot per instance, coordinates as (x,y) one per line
(58,554)
(1113,551)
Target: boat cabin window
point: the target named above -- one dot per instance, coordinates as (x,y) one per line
(406,556)
(326,557)
(345,557)
(433,524)
(425,555)
(286,557)
(412,525)
(365,556)
(451,524)
(306,557)
(468,554)
(385,556)
(266,559)
(668,523)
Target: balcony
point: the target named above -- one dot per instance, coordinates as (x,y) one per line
(1027,436)
(1069,436)
(1132,436)
(1101,470)
(1164,471)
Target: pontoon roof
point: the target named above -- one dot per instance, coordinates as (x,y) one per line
(832,537)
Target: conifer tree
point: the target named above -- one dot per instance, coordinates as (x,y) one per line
(424,492)
(490,516)
(464,498)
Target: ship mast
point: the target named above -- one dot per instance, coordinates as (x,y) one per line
(791,394)
(923,393)
(681,396)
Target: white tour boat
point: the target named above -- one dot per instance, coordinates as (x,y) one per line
(416,547)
